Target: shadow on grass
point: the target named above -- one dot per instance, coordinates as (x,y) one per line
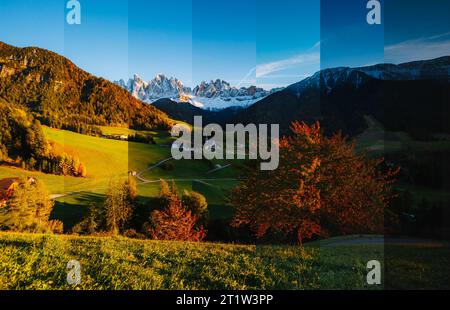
(71,209)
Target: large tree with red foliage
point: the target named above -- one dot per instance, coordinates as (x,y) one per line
(322,187)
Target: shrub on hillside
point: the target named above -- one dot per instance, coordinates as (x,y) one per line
(91,222)
(115,214)
(196,203)
(174,221)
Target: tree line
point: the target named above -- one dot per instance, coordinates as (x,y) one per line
(23,143)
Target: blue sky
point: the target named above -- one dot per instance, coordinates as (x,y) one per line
(287,41)
(416,29)
(346,37)
(267,43)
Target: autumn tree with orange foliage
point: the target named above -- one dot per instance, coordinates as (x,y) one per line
(175,221)
(322,187)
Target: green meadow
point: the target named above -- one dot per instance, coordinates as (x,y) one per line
(33,261)
(379,141)
(39,262)
(107,159)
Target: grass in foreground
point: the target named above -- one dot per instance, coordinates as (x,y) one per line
(39,262)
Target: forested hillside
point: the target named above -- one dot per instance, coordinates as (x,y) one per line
(23,144)
(61,95)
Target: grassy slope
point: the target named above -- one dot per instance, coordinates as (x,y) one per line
(39,262)
(377,141)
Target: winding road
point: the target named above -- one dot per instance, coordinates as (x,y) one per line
(204,181)
(143,180)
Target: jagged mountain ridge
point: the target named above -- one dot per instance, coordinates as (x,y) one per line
(340,97)
(212,95)
(434,69)
(159,87)
(396,95)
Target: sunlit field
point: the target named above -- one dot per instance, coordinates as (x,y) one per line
(108,159)
(39,262)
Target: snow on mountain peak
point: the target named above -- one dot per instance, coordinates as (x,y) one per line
(329,78)
(216,94)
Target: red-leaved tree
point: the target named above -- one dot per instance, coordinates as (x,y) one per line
(321,187)
(175,221)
